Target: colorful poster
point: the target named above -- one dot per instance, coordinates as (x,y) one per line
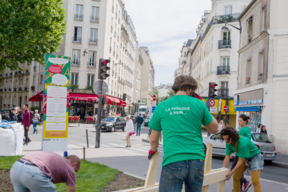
(56,103)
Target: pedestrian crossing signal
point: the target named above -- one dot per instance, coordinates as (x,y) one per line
(212,90)
(103,69)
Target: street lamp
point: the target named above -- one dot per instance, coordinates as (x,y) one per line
(226,29)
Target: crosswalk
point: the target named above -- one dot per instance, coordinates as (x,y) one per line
(142,148)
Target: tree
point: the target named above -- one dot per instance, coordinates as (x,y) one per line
(28,30)
(171,93)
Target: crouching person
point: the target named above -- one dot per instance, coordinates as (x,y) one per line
(40,171)
(249,157)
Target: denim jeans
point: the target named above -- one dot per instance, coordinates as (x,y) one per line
(173,175)
(35,127)
(138,129)
(26,178)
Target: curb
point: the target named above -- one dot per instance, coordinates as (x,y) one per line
(278,164)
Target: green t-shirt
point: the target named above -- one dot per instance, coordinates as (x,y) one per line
(245,148)
(246,132)
(180,118)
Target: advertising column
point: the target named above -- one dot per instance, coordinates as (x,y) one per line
(56,103)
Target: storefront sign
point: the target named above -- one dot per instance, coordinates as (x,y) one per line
(236,100)
(56,103)
(81,91)
(213,109)
(257,101)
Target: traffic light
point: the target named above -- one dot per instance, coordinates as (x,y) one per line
(212,90)
(103,68)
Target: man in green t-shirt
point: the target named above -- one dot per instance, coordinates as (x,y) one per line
(180,118)
(249,156)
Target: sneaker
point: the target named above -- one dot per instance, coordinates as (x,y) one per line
(127,146)
(247,186)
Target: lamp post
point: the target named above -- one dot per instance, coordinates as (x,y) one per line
(226,29)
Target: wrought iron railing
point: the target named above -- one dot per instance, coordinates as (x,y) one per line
(77,39)
(78,16)
(223,92)
(223,70)
(95,18)
(93,41)
(224,44)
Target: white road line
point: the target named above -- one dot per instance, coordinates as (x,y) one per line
(270,181)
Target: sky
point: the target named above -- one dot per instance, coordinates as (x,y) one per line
(163,26)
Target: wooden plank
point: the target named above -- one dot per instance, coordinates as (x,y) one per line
(207,165)
(221,186)
(152,171)
(215,176)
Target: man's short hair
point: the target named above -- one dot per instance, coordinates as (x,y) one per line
(26,105)
(184,83)
(74,159)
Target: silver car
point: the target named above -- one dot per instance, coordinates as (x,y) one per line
(261,140)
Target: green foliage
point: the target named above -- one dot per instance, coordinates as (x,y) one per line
(89,87)
(8,161)
(171,93)
(34,108)
(74,86)
(29,29)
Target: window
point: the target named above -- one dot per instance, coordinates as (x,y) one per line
(74,78)
(260,65)
(90,80)
(76,57)
(250,28)
(92,58)
(93,36)
(263,18)
(79,12)
(25,99)
(228,10)
(248,71)
(111,24)
(77,34)
(27,82)
(41,78)
(225,61)
(226,35)
(95,14)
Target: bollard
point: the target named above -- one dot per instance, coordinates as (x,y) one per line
(83,153)
(87,138)
(65,154)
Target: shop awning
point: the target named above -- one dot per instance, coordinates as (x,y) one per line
(254,108)
(113,99)
(38,97)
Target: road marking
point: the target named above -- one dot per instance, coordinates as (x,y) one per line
(270,181)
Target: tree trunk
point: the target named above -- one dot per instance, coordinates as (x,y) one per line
(2,52)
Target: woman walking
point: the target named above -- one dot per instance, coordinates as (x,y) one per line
(36,120)
(129,129)
(247,152)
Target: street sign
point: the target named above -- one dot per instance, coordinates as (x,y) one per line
(153,109)
(213,109)
(153,103)
(225,108)
(124,104)
(96,88)
(212,102)
(154,97)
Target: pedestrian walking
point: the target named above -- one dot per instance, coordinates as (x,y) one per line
(19,115)
(259,128)
(129,129)
(249,157)
(180,118)
(139,121)
(42,170)
(263,129)
(13,114)
(26,123)
(220,125)
(36,120)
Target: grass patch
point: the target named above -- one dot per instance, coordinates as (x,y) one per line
(91,176)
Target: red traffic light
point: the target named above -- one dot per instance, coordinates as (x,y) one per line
(105,62)
(214,85)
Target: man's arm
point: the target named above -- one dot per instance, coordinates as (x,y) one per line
(154,140)
(71,189)
(226,161)
(213,126)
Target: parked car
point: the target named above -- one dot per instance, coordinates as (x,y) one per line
(112,123)
(5,114)
(147,120)
(261,140)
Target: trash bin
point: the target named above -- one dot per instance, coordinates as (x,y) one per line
(11,139)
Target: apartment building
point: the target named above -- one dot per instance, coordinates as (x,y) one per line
(95,29)
(184,52)
(147,77)
(139,76)
(262,71)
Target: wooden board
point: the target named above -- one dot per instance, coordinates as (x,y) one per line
(215,176)
(152,171)
(207,165)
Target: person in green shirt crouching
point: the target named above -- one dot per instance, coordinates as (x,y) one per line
(249,157)
(181,118)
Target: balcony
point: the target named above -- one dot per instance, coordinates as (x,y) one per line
(77,39)
(93,41)
(224,44)
(78,16)
(76,62)
(223,92)
(94,19)
(91,64)
(223,70)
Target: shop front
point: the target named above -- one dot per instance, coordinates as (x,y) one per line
(251,104)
